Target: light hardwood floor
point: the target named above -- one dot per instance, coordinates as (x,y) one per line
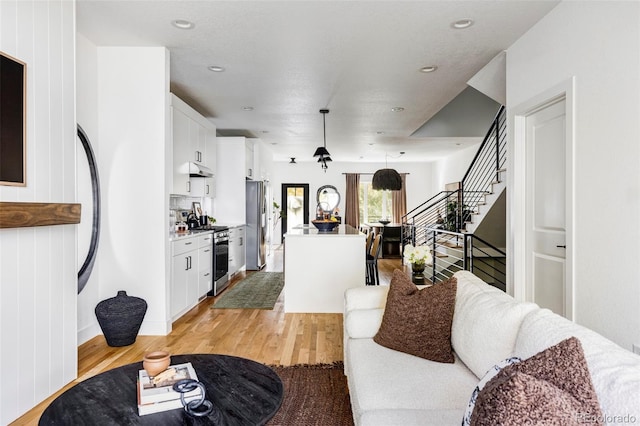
(267,336)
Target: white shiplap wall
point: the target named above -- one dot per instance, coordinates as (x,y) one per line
(38,266)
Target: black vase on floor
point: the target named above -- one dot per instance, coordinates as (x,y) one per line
(120,318)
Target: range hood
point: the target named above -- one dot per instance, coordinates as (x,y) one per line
(196,169)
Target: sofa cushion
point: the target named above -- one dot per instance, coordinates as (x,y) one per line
(485,323)
(552,387)
(615,372)
(418,322)
(365,297)
(363,323)
(383,381)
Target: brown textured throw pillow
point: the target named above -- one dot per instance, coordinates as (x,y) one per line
(552,387)
(418,322)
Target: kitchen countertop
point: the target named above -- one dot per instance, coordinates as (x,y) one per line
(173,236)
(310,230)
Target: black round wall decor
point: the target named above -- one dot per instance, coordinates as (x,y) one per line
(87,266)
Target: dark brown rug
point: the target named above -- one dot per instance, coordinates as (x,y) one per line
(314,395)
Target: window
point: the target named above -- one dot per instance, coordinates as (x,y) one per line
(374,204)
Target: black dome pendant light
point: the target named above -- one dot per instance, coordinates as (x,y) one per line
(321,151)
(387,178)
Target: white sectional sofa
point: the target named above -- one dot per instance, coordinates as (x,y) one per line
(389,388)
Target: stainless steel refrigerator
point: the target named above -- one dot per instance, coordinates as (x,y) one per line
(256,225)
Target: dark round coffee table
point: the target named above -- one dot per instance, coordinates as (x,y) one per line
(243,391)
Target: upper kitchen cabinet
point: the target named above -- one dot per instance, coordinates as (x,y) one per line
(249,160)
(194,146)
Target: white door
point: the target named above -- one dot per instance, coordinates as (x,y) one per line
(546,208)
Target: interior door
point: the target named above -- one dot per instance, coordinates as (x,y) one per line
(295,203)
(547,195)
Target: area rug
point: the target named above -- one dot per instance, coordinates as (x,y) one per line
(259,290)
(314,395)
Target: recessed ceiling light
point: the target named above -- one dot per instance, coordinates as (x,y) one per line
(247,108)
(430,68)
(183,24)
(397,109)
(462,24)
(216,68)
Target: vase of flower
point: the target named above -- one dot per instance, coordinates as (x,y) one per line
(419,257)
(417,270)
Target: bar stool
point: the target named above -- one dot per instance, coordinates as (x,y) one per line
(373,276)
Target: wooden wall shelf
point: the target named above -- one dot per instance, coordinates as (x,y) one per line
(21,215)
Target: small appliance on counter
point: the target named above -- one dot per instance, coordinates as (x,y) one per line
(192,221)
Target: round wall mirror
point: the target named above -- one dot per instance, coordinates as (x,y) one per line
(328,197)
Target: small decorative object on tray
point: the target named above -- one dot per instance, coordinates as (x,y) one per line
(199,407)
(156,394)
(156,362)
(325,225)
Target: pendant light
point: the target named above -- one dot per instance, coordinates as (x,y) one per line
(321,151)
(387,178)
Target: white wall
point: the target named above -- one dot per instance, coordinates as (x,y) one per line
(87,116)
(569,42)
(230,200)
(419,180)
(453,167)
(134,158)
(122,98)
(38,268)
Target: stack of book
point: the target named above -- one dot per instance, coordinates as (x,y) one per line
(156,394)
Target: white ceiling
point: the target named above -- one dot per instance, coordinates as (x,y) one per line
(289,59)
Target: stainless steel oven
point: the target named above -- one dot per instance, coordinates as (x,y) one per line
(220,260)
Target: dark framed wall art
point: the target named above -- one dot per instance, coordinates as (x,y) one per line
(13,88)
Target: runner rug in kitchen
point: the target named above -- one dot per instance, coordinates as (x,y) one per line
(259,290)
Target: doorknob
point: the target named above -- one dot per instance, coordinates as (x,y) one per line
(562,247)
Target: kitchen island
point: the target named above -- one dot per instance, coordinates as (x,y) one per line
(320,266)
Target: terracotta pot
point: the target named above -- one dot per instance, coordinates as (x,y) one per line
(156,362)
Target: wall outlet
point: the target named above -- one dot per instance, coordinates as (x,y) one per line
(636,349)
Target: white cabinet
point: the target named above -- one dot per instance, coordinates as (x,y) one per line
(248,160)
(194,141)
(203,187)
(237,253)
(191,272)
(205,264)
(210,153)
(180,134)
(198,142)
(184,275)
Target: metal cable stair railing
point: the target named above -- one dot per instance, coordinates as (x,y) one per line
(440,222)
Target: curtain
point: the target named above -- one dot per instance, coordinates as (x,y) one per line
(399,201)
(352,203)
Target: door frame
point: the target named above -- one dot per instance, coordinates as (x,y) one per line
(517,273)
(283,199)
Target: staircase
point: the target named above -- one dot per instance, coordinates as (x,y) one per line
(448,221)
